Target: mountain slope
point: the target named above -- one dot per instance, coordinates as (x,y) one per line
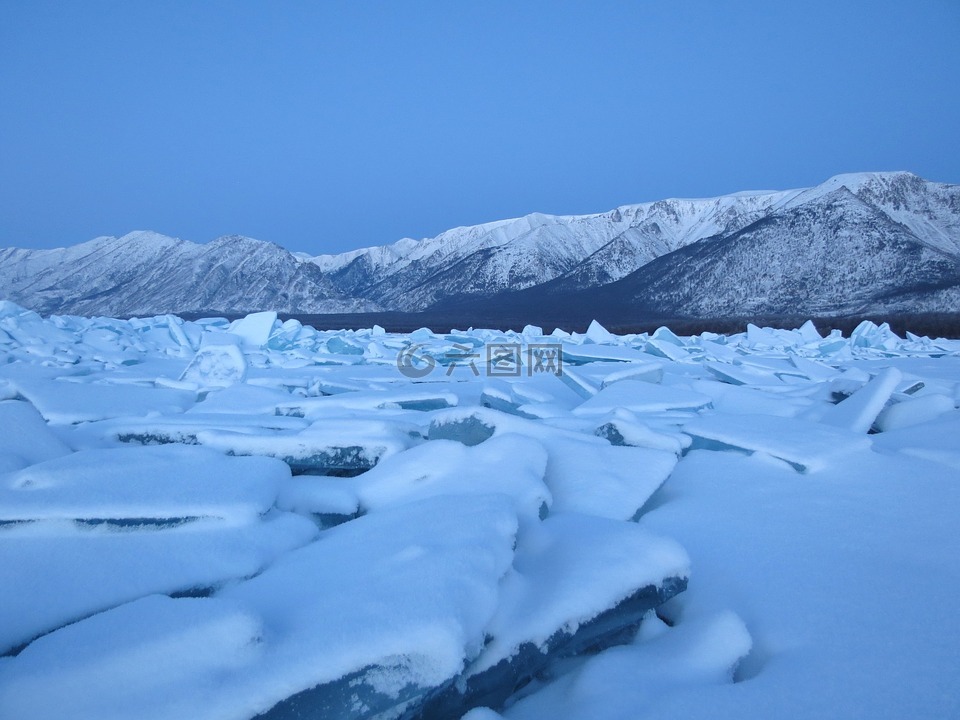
(877,240)
(833,253)
(145,273)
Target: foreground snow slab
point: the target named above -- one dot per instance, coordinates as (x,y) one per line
(256,519)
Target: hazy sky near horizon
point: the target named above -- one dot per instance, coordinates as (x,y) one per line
(334,125)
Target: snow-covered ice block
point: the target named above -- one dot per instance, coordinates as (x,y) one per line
(933,440)
(326,447)
(913,411)
(598,334)
(858,411)
(581,354)
(577,582)
(658,347)
(379,614)
(88,569)
(138,660)
(25,438)
(183,428)
(219,362)
(585,473)
(806,445)
(646,371)
(63,402)
(663,661)
(511,465)
(242,399)
(254,329)
(405,399)
(623,428)
(169,482)
(739,375)
(639,396)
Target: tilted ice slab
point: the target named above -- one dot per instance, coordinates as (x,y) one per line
(577,582)
(377,614)
(640,396)
(510,465)
(806,445)
(584,473)
(63,572)
(662,661)
(65,401)
(327,446)
(153,658)
(404,398)
(914,411)
(219,362)
(25,438)
(142,483)
(366,622)
(183,428)
(858,411)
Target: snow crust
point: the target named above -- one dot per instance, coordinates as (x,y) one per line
(219,520)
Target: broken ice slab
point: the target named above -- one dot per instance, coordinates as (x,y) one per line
(126,662)
(25,438)
(639,396)
(330,446)
(88,569)
(241,399)
(664,349)
(411,589)
(662,662)
(859,410)
(584,473)
(651,372)
(64,401)
(581,354)
(806,445)
(739,375)
(144,483)
(183,428)
(254,329)
(623,428)
(511,465)
(405,399)
(219,362)
(578,583)
(913,411)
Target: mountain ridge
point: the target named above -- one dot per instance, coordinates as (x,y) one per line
(906,220)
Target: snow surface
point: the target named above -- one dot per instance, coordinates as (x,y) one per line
(218,520)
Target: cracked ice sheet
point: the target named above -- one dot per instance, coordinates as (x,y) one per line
(89,569)
(623,682)
(64,402)
(329,444)
(410,589)
(584,473)
(510,464)
(165,482)
(847,583)
(570,568)
(807,445)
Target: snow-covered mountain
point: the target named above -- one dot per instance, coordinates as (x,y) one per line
(858,241)
(145,273)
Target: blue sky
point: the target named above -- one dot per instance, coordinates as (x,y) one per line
(333,125)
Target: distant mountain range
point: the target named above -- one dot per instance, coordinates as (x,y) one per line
(865,242)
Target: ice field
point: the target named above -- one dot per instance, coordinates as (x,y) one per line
(227,520)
